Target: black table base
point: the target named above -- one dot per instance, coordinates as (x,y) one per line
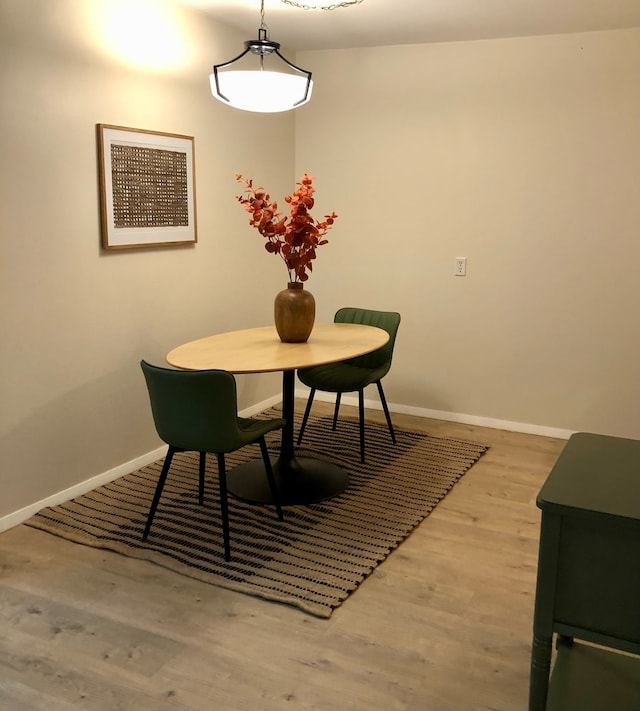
(299,481)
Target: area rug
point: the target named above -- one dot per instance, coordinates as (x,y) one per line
(317,556)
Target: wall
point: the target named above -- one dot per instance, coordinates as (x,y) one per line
(522,155)
(75,320)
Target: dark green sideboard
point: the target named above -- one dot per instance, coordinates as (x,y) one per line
(588,584)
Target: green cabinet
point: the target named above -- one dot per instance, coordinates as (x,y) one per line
(588,584)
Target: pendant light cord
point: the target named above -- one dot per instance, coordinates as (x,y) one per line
(263,25)
(333,6)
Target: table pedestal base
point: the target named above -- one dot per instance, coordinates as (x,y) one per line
(301,480)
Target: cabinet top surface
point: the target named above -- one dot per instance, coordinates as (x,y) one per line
(596,474)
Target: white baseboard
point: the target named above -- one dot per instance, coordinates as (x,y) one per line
(17,517)
(495,424)
(260,406)
(13,519)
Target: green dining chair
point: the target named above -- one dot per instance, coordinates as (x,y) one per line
(356,373)
(198,411)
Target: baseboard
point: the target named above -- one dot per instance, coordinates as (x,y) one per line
(260,406)
(17,517)
(13,519)
(462,418)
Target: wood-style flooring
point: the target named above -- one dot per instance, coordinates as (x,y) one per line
(444,624)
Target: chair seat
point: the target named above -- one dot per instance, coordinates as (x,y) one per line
(340,377)
(253,428)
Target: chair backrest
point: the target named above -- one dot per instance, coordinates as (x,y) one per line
(387,320)
(194,410)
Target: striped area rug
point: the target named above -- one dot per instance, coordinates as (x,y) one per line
(317,556)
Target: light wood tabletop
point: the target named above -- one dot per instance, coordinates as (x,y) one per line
(260,350)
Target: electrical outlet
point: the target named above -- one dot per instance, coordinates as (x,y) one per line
(460,266)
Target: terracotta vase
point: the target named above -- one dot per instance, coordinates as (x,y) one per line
(294,312)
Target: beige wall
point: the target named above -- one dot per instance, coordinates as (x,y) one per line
(522,155)
(75,320)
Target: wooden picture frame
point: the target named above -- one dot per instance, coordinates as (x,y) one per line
(147,188)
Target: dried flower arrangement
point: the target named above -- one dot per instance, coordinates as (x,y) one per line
(295,237)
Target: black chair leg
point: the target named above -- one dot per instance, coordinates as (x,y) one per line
(305,417)
(336,410)
(272,482)
(203,465)
(224,506)
(386,411)
(361,413)
(158,493)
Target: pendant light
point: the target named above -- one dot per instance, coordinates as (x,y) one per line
(267,82)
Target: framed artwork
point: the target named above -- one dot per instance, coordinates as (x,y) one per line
(147,189)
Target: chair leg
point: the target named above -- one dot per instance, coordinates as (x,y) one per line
(272,482)
(158,493)
(336,410)
(361,413)
(203,465)
(224,506)
(305,417)
(386,410)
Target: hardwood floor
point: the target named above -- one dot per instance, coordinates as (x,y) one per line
(444,624)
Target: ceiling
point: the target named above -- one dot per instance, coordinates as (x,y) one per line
(390,22)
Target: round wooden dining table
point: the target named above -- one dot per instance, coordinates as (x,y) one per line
(300,480)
